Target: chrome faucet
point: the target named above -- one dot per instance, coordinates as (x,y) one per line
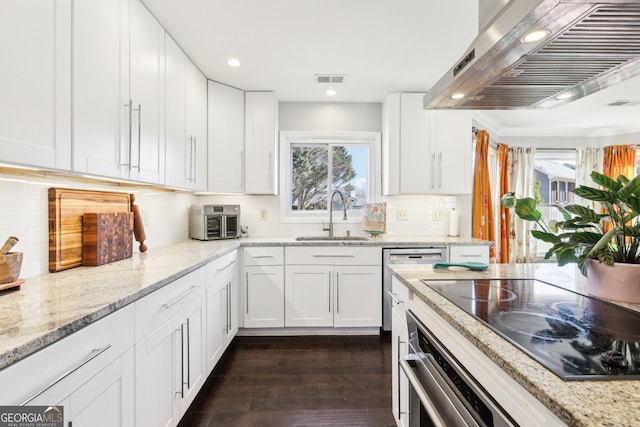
(344,206)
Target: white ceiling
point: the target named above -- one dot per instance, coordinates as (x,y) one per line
(381,45)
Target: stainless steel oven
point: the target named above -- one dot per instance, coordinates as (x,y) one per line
(211,222)
(442,393)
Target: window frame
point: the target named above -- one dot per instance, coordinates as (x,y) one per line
(290,138)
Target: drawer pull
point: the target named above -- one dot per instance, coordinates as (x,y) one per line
(179,298)
(394,299)
(225,267)
(262,256)
(94,353)
(334,256)
(470,256)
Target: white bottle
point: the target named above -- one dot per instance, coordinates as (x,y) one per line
(454,222)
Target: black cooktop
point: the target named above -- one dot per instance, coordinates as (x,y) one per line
(574,336)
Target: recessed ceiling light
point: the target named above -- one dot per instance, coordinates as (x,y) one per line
(565,95)
(233,62)
(457,95)
(535,36)
(331,92)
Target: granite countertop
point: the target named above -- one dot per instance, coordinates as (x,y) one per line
(51,306)
(577,403)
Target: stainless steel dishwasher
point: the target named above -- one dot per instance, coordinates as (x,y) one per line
(390,256)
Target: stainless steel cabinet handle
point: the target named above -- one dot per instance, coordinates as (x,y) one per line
(188,355)
(129,105)
(225,267)
(433,171)
(329,292)
(394,299)
(189,173)
(229,307)
(262,256)
(242,168)
(270,169)
(181,330)
(194,164)
(334,256)
(246,288)
(191,289)
(139,110)
(470,256)
(338,293)
(440,171)
(422,395)
(92,355)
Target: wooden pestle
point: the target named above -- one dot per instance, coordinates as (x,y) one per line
(138,225)
(11,242)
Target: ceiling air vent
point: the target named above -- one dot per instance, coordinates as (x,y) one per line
(330,78)
(624,104)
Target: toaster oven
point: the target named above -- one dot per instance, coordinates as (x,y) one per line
(212,222)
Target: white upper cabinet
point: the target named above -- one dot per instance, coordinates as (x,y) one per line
(424,151)
(34,83)
(261,143)
(196,128)
(185,126)
(226,139)
(146,94)
(118,72)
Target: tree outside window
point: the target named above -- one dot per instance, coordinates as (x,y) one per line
(311,182)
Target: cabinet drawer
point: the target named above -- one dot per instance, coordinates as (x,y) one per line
(223,265)
(264,255)
(400,291)
(475,253)
(51,374)
(333,255)
(161,305)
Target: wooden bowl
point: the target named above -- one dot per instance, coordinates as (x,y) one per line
(10,265)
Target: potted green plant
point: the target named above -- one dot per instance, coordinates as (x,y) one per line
(606,254)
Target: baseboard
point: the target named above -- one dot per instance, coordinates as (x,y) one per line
(307,331)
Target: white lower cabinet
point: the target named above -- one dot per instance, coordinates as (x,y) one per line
(399,349)
(333,286)
(90,373)
(222,307)
(469,253)
(106,400)
(169,355)
(263,290)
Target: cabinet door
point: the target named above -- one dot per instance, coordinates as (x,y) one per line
(100,64)
(399,381)
(193,349)
(226,139)
(415,159)
(157,376)
(196,128)
(106,400)
(34,83)
(264,297)
(453,149)
(261,142)
(358,296)
(308,296)
(146,56)
(178,146)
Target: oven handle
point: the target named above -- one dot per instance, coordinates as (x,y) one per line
(422,395)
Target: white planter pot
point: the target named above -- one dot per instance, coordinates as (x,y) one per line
(617,282)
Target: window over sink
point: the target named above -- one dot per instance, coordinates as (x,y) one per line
(315,164)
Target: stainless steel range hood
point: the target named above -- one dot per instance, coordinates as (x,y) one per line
(591,45)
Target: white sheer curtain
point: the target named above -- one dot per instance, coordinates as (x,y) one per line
(588,159)
(522,180)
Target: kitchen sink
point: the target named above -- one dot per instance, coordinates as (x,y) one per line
(337,238)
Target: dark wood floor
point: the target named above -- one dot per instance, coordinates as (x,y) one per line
(298,381)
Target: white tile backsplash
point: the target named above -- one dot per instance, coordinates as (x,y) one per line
(24,214)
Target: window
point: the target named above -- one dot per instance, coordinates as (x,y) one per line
(319,164)
(555,180)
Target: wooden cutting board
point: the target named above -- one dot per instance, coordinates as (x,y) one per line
(66,207)
(106,237)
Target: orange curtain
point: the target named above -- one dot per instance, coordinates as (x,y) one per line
(505,215)
(619,160)
(482,213)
